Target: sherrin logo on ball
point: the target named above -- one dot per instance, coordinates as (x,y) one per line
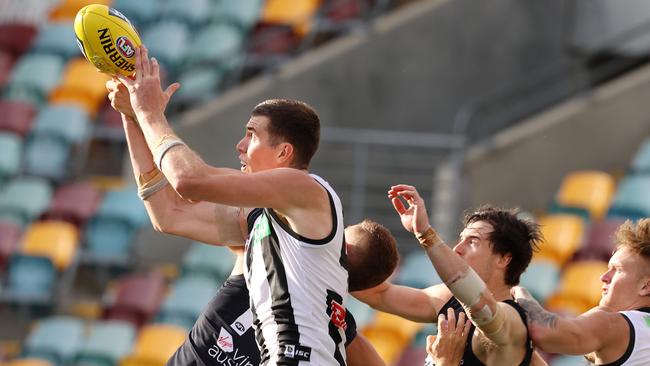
(107,39)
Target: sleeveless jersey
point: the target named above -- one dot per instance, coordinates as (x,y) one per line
(222,335)
(638,350)
(469,358)
(298,288)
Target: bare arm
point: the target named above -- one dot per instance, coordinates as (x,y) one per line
(497,321)
(409,303)
(361,353)
(587,333)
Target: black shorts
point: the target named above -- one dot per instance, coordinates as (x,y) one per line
(212,340)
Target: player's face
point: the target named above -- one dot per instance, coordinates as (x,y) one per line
(256,151)
(623,281)
(474,247)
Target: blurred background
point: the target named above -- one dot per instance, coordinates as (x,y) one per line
(538,104)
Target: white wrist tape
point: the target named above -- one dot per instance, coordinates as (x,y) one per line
(162,149)
(147,192)
(468,288)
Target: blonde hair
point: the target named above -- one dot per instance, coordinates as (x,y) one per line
(635,236)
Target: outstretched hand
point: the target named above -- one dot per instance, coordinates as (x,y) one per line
(448,346)
(145,92)
(414,217)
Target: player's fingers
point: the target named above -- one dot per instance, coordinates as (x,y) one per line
(460,325)
(171,90)
(451,319)
(443,324)
(155,68)
(466,328)
(398,205)
(146,63)
(138,64)
(430,340)
(128,83)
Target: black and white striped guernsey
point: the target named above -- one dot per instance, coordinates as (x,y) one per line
(298,288)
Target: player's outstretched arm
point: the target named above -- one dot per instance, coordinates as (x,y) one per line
(584,334)
(498,322)
(418,305)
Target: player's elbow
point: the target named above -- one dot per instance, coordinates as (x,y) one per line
(185,184)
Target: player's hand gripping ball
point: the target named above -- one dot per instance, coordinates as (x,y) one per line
(107,39)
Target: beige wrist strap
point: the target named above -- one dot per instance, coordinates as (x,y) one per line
(429,238)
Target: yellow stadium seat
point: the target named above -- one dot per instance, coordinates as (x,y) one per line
(589,190)
(56,240)
(29,362)
(388,343)
(580,284)
(156,343)
(297,14)
(66,10)
(81,84)
(562,237)
(406,328)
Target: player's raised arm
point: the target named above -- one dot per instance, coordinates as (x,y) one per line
(494,319)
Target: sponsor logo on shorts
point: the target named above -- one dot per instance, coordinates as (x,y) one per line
(225,341)
(125,47)
(295,352)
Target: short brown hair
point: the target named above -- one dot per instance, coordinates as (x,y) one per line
(294,122)
(635,237)
(372,258)
(511,235)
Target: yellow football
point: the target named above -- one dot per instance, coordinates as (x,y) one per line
(107,39)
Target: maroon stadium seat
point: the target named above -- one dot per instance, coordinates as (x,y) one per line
(413,355)
(17,37)
(16,117)
(6,63)
(74,203)
(599,240)
(138,298)
(9,236)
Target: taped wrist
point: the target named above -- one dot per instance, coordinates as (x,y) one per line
(468,288)
(150,183)
(164,145)
(429,238)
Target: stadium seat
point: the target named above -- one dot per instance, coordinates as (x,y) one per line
(82,85)
(585,192)
(66,10)
(199,85)
(156,343)
(243,13)
(562,235)
(417,271)
(56,240)
(138,298)
(29,362)
(388,343)
(298,15)
(23,199)
(580,287)
(17,37)
(187,297)
(270,44)
(108,342)
(57,339)
(168,41)
(9,235)
(6,65)
(110,233)
(566,360)
(406,328)
(140,12)
(30,279)
(33,77)
(56,38)
(632,199)
(66,121)
(599,241)
(641,160)
(208,260)
(75,202)
(10,156)
(47,156)
(194,13)
(541,278)
(16,117)
(216,45)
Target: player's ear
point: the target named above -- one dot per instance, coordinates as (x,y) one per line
(285,152)
(504,260)
(645,289)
